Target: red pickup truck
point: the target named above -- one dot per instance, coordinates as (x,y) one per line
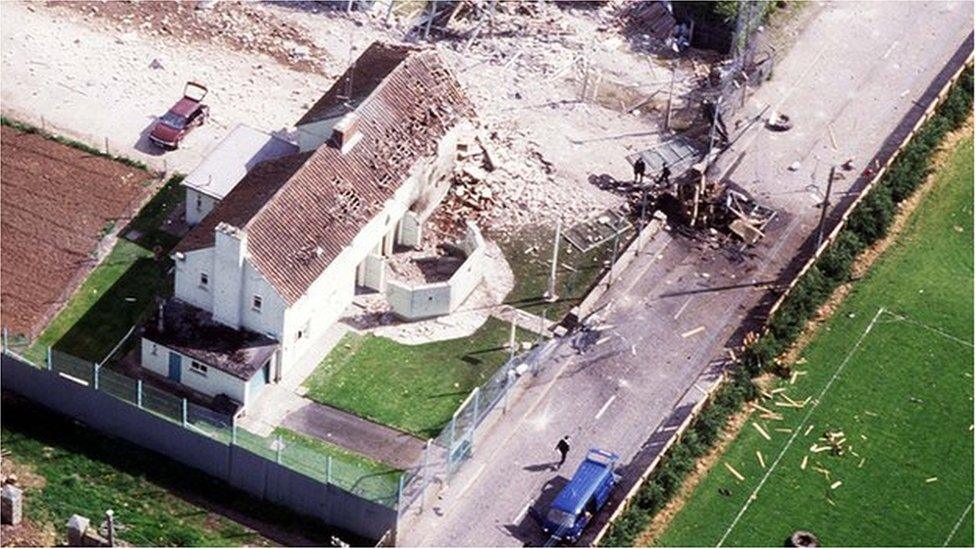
(188,113)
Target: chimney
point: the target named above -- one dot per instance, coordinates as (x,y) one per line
(346,133)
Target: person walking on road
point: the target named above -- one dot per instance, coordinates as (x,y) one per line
(563,448)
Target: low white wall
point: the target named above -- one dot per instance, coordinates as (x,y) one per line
(410,230)
(374,272)
(214,383)
(472,271)
(441,298)
(416,302)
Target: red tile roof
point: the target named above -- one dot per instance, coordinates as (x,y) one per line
(298,220)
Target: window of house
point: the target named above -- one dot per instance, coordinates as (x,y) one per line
(199,202)
(198,368)
(204,280)
(304,331)
(256,303)
(155,349)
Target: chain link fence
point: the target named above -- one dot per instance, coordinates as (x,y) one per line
(455,444)
(312,458)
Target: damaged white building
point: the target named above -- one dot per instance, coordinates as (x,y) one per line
(279,257)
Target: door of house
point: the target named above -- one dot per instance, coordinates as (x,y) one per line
(175,364)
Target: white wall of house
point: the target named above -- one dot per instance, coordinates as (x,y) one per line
(215,382)
(311,136)
(188,286)
(198,205)
(269,319)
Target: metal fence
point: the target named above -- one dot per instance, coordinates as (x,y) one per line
(308,457)
(444,454)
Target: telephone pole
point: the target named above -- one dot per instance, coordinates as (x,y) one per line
(824,206)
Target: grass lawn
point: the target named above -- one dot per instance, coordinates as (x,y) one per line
(350,471)
(902,393)
(532,270)
(120,291)
(415,388)
(67,469)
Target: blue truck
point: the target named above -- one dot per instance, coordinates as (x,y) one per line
(584,496)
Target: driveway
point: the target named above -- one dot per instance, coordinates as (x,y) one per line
(855,72)
(379,442)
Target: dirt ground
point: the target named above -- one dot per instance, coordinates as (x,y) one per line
(555,87)
(58,204)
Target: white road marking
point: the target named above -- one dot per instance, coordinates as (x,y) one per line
(605,406)
(930,328)
(890,49)
(789,443)
(522,513)
(958,523)
(682,309)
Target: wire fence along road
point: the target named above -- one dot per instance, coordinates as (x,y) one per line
(444,454)
(303,458)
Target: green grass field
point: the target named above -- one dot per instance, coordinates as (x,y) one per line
(415,388)
(68,469)
(901,392)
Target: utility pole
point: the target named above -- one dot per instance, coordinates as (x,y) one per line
(824,207)
(616,242)
(511,339)
(430,18)
(551,291)
(643,218)
(667,117)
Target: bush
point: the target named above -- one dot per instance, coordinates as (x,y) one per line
(837,260)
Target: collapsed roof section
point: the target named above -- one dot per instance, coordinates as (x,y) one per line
(300,211)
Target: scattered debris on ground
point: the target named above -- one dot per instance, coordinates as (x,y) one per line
(242,26)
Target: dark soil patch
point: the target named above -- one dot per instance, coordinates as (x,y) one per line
(58,204)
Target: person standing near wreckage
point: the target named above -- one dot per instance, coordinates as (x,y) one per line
(639,169)
(664,180)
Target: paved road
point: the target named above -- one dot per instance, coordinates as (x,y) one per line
(854,72)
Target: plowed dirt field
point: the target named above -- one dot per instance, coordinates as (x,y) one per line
(57,204)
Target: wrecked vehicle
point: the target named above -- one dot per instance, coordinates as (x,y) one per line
(188,113)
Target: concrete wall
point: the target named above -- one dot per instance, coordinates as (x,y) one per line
(410,230)
(374,272)
(441,298)
(155,358)
(416,302)
(198,205)
(472,271)
(238,467)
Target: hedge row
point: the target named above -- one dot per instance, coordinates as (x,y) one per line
(23,127)
(868,223)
